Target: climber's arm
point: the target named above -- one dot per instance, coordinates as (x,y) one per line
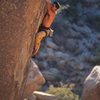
(48,5)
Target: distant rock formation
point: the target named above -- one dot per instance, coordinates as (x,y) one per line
(19,21)
(92,85)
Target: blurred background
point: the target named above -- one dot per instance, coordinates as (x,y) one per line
(67,58)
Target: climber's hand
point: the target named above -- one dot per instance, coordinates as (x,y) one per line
(49,32)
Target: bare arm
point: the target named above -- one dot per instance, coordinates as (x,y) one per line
(48,4)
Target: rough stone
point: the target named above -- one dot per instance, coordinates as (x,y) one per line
(34,79)
(19,21)
(32,97)
(92,85)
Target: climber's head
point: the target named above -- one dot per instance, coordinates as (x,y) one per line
(56,6)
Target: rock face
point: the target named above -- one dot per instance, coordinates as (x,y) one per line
(34,79)
(92,85)
(19,21)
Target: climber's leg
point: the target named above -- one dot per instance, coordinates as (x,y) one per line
(38,38)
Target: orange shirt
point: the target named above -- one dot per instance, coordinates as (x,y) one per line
(49,18)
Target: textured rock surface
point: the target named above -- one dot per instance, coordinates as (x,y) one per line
(19,21)
(34,79)
(92,85)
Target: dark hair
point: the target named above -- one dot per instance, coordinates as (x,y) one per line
(57,4)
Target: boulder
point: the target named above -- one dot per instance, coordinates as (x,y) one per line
(19,21)
(92,85)
(34,79)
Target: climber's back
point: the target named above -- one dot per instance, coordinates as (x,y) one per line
(51,13)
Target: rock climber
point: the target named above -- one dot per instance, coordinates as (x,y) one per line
(45,30)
